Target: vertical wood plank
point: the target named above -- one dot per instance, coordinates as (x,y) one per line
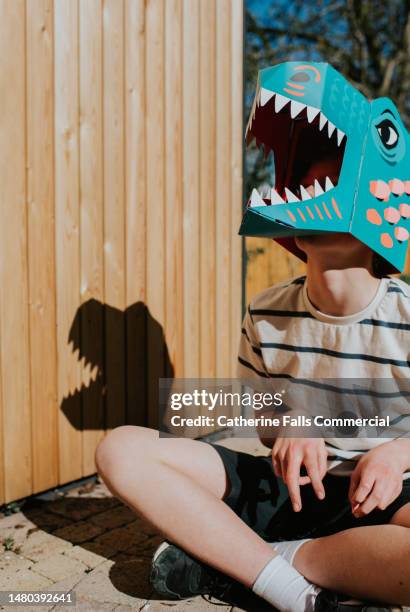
(41,245)
(237,139)
(91,226)
(136,318)
(67,236)
(174,322)
(191,234)
(154,83)
(14,334)
(223,189)
(207,175)
(114,211)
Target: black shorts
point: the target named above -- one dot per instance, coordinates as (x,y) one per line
(261,500)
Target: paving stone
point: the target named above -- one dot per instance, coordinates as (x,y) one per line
(89,558)
(58,567)
(15,532)
(49,521)
(77,509)
(189,605)
(96,490)
(40,545)
(9,560)
(116,517)
(85,603)
(79,532)
(122,587)
(22,580)
(139,526)
(145,548)
(117,539)
(103,549)
(9,522)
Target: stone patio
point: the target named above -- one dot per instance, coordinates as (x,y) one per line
(86,541)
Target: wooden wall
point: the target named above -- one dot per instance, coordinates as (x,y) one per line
(121,191)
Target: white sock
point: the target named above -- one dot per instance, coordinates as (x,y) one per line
(284,588)
(288,550)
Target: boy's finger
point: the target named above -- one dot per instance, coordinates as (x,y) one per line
(312,467)
(363,490)
(354,481)
(276,467)
(292,481)
(323,464)
(370,503)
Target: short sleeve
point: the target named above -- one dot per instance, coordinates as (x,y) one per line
(250,361)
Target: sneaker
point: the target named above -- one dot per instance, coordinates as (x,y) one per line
(176,575)
(328,601)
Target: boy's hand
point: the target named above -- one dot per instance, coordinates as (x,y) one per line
(378,478)
(289,454)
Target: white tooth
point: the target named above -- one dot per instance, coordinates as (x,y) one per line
(275,197)
(328,184)
(258,98)
(340,136)
(280,102)
(291,196)
(330,128)
(256,199)
(322,121)
(318,189)
(296,108)
(304,193)
(266,95)
(312,113)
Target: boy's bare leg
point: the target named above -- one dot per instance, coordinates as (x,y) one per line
(365,562)
(177,484)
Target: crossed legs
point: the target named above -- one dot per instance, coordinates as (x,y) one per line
(178,486)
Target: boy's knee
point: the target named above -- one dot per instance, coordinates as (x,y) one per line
(118,447)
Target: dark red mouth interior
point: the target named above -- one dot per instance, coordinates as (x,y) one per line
(302,152)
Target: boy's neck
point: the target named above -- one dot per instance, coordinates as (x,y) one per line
(340,292)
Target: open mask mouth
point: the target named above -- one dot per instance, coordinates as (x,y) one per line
(308,149)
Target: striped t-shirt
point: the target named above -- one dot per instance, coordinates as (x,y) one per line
(283,334)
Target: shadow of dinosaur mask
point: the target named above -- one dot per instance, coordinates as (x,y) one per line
(308,114)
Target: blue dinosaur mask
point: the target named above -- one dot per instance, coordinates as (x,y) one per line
(309,114)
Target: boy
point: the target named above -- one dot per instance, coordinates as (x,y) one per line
(348,534)
(345,525)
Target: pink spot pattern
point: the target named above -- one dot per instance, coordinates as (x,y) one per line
(386,240)
(391,214)
(373,216)
(401,233)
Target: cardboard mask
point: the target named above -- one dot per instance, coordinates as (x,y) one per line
(310,115)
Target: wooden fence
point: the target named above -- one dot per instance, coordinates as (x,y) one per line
(121,191)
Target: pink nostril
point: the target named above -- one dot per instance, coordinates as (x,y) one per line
(396,187)
(401,233)
(373,216)
(404,210)
(386,241)
(391,214)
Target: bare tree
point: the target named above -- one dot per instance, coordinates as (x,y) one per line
(367,40)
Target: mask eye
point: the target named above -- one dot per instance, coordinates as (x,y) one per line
(388,133)
(300,77)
